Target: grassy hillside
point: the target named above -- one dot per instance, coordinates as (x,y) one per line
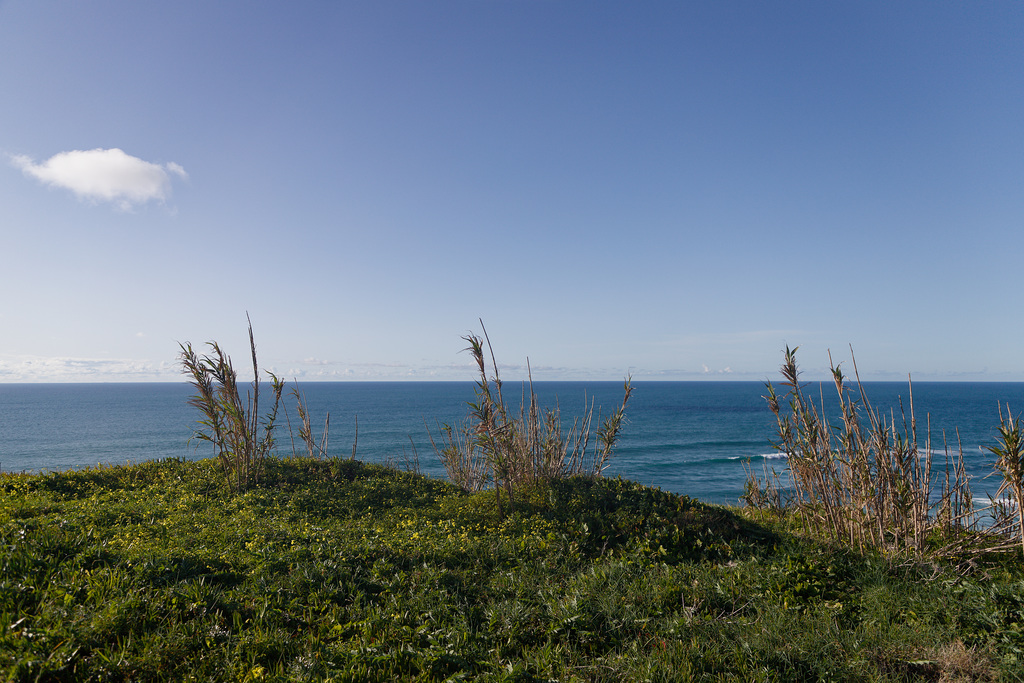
(339,570)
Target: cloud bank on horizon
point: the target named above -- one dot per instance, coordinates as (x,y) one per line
(104,175)
(20,369)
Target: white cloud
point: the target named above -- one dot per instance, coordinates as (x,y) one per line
(176,169)
(107,175)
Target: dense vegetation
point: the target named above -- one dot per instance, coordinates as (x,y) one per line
(338,570)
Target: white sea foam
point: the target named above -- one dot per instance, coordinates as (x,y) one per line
(941,452)
(763,456)
(985,501)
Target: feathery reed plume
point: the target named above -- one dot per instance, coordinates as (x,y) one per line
(860,480)
(507,449)
(241,437)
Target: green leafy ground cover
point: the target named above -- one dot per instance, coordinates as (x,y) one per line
(339,570)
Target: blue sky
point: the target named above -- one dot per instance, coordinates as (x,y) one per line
(674,189)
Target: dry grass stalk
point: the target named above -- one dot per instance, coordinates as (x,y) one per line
(313,447)
(864,482)
(464,462)
(958,663)
(507,449)
(1009,454)
(241,436)
(861,480)
(762,494)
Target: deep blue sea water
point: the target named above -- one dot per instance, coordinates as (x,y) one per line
(690,438)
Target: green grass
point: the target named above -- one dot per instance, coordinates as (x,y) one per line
(339,570)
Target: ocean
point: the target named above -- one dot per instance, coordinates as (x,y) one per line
(692,438)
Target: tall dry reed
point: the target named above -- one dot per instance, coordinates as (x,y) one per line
(242,438)
(1009,452)
(506,448)
(862,479)
(314,447)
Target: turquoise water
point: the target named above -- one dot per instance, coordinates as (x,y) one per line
(691,438)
